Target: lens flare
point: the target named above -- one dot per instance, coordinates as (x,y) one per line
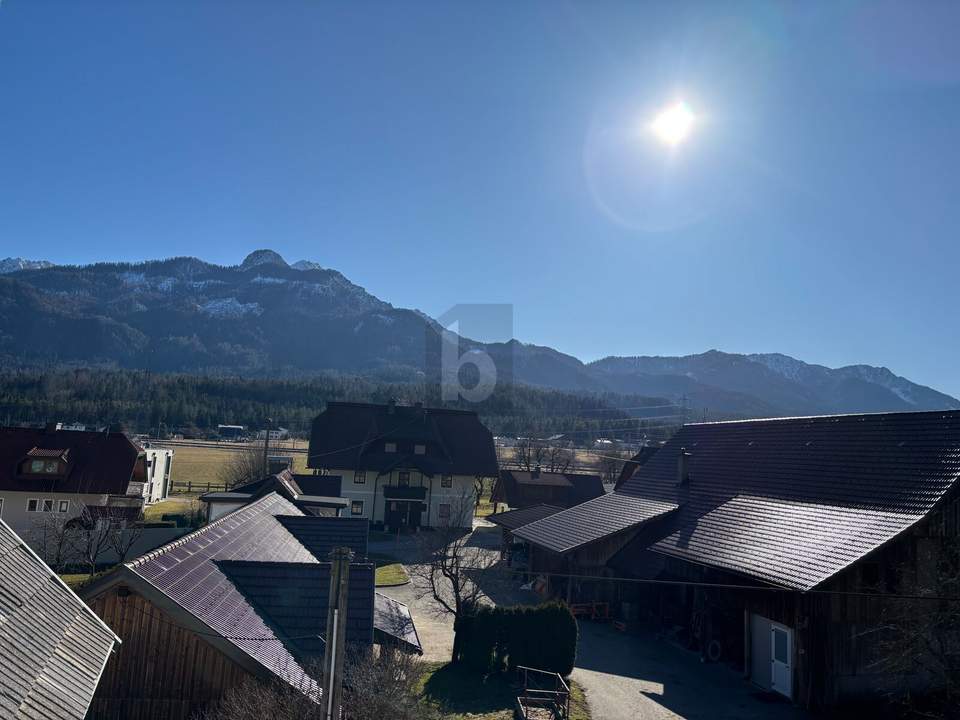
(673,124)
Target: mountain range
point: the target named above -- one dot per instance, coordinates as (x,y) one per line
(265,316)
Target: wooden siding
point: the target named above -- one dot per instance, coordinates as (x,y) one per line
(161,671)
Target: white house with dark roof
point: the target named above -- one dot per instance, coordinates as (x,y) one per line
(404,467)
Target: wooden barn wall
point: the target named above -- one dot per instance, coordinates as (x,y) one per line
(161,671)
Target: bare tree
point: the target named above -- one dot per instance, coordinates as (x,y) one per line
(529,454)
(123,536)
(246,465)
(377,685)
(453,570)
(90,533)
(559,457)
(919,640)
(50,536)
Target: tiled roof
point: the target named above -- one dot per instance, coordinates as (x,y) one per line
(187,571)
(52,646)
(320,535)
(293,598)
(512,519)
(353,435)
(794,501)
(572,488)
(591,521)
(392,619)
(96,462)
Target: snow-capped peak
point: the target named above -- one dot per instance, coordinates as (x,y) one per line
(11,264)
(306,265)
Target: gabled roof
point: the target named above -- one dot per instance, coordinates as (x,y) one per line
(293,599)
(300,489)
(591,521)
(512,519)
(794,501)
(392,620)
(573,488)
(631,465)
(96,462)
(52,646)
(353,435)
(252,584)
(320,535)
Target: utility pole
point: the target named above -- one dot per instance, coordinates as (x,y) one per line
(266,447)
(335,645)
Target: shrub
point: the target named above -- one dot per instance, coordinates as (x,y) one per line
(542,637)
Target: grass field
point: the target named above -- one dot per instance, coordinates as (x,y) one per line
(460,693)
(202,463)
(179,504)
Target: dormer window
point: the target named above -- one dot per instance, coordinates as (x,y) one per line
(419,449)
(43,467)
(390,447)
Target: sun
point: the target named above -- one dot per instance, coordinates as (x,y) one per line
(673,124)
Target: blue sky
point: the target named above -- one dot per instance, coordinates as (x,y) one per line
(443,153)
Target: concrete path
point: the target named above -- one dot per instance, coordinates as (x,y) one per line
(642,678)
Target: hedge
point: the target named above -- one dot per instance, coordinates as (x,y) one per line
(542,636)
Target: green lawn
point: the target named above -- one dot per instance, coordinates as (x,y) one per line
(179,504)
(390,571)
(460,694)
(75,581)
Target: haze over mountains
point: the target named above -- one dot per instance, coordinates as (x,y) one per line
(267,317)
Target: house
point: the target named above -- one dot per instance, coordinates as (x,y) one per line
(798,538)
(50,474)
(231,432)
(524,488)
(244,597)
(52,646)
(508,521)
(404,467)
(274,435)
(158,465)
(312,494)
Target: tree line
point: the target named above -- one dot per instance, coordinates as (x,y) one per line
(148,402)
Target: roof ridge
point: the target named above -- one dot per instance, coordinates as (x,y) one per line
(830,416)
(163,549)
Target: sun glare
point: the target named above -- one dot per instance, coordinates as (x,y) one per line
(673,124)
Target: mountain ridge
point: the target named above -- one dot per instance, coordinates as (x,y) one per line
(266,316)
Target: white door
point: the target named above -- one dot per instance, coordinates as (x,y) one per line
(781,670)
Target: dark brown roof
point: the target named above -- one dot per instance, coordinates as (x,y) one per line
(353,435)
(570,488)
(303,490)
(512,519)
(794,501)
(52,646)
(630,467)
(96,462)
(593,520)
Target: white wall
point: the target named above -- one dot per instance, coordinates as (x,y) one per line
(159,474)
(14,511)
(459,496)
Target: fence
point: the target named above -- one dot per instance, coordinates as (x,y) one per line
(198,487)
(541,702)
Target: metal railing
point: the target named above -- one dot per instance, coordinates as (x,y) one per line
(556,700)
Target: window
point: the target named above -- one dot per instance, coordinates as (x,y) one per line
(32,505)
(419,449)
(356,507)
(48,505)
(446,481)
(443,511)
(63,506)
(403,478)
(390,447)
(44,467)
(359,477)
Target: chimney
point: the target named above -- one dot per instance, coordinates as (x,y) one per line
(52,427)
(683,468)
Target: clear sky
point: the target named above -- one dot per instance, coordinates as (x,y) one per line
(453,152)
